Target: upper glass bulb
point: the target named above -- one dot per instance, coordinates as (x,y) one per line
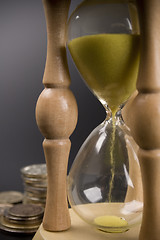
(103,39)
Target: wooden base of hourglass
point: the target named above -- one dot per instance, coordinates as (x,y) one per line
(81,230)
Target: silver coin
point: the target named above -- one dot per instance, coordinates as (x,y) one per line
(36,170)
(22,221)
(11,197)
(26,210)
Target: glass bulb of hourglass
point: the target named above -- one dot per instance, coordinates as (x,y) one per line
(104,183)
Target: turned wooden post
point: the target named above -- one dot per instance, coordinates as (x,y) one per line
(144,115)
(56,115)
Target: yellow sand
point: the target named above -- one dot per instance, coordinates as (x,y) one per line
(113,223)
(109,65)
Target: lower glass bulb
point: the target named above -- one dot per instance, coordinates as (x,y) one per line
(104,183)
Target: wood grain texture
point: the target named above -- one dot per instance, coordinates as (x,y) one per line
(56,115)
(150,166)
(144,114)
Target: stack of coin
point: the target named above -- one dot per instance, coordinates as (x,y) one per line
(35,184)
(22,218)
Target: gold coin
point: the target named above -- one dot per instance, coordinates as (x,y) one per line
(17,231)
(11,197)
(17,226)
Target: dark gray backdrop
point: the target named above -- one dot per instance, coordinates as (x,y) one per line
(22,61)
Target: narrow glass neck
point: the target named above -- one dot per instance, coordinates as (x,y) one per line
(116,116)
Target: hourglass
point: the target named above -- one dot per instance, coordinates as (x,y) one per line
(144,117)
(104,42)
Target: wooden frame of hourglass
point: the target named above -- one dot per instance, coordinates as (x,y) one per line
(56,115)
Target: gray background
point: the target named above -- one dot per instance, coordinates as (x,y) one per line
(22,60)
